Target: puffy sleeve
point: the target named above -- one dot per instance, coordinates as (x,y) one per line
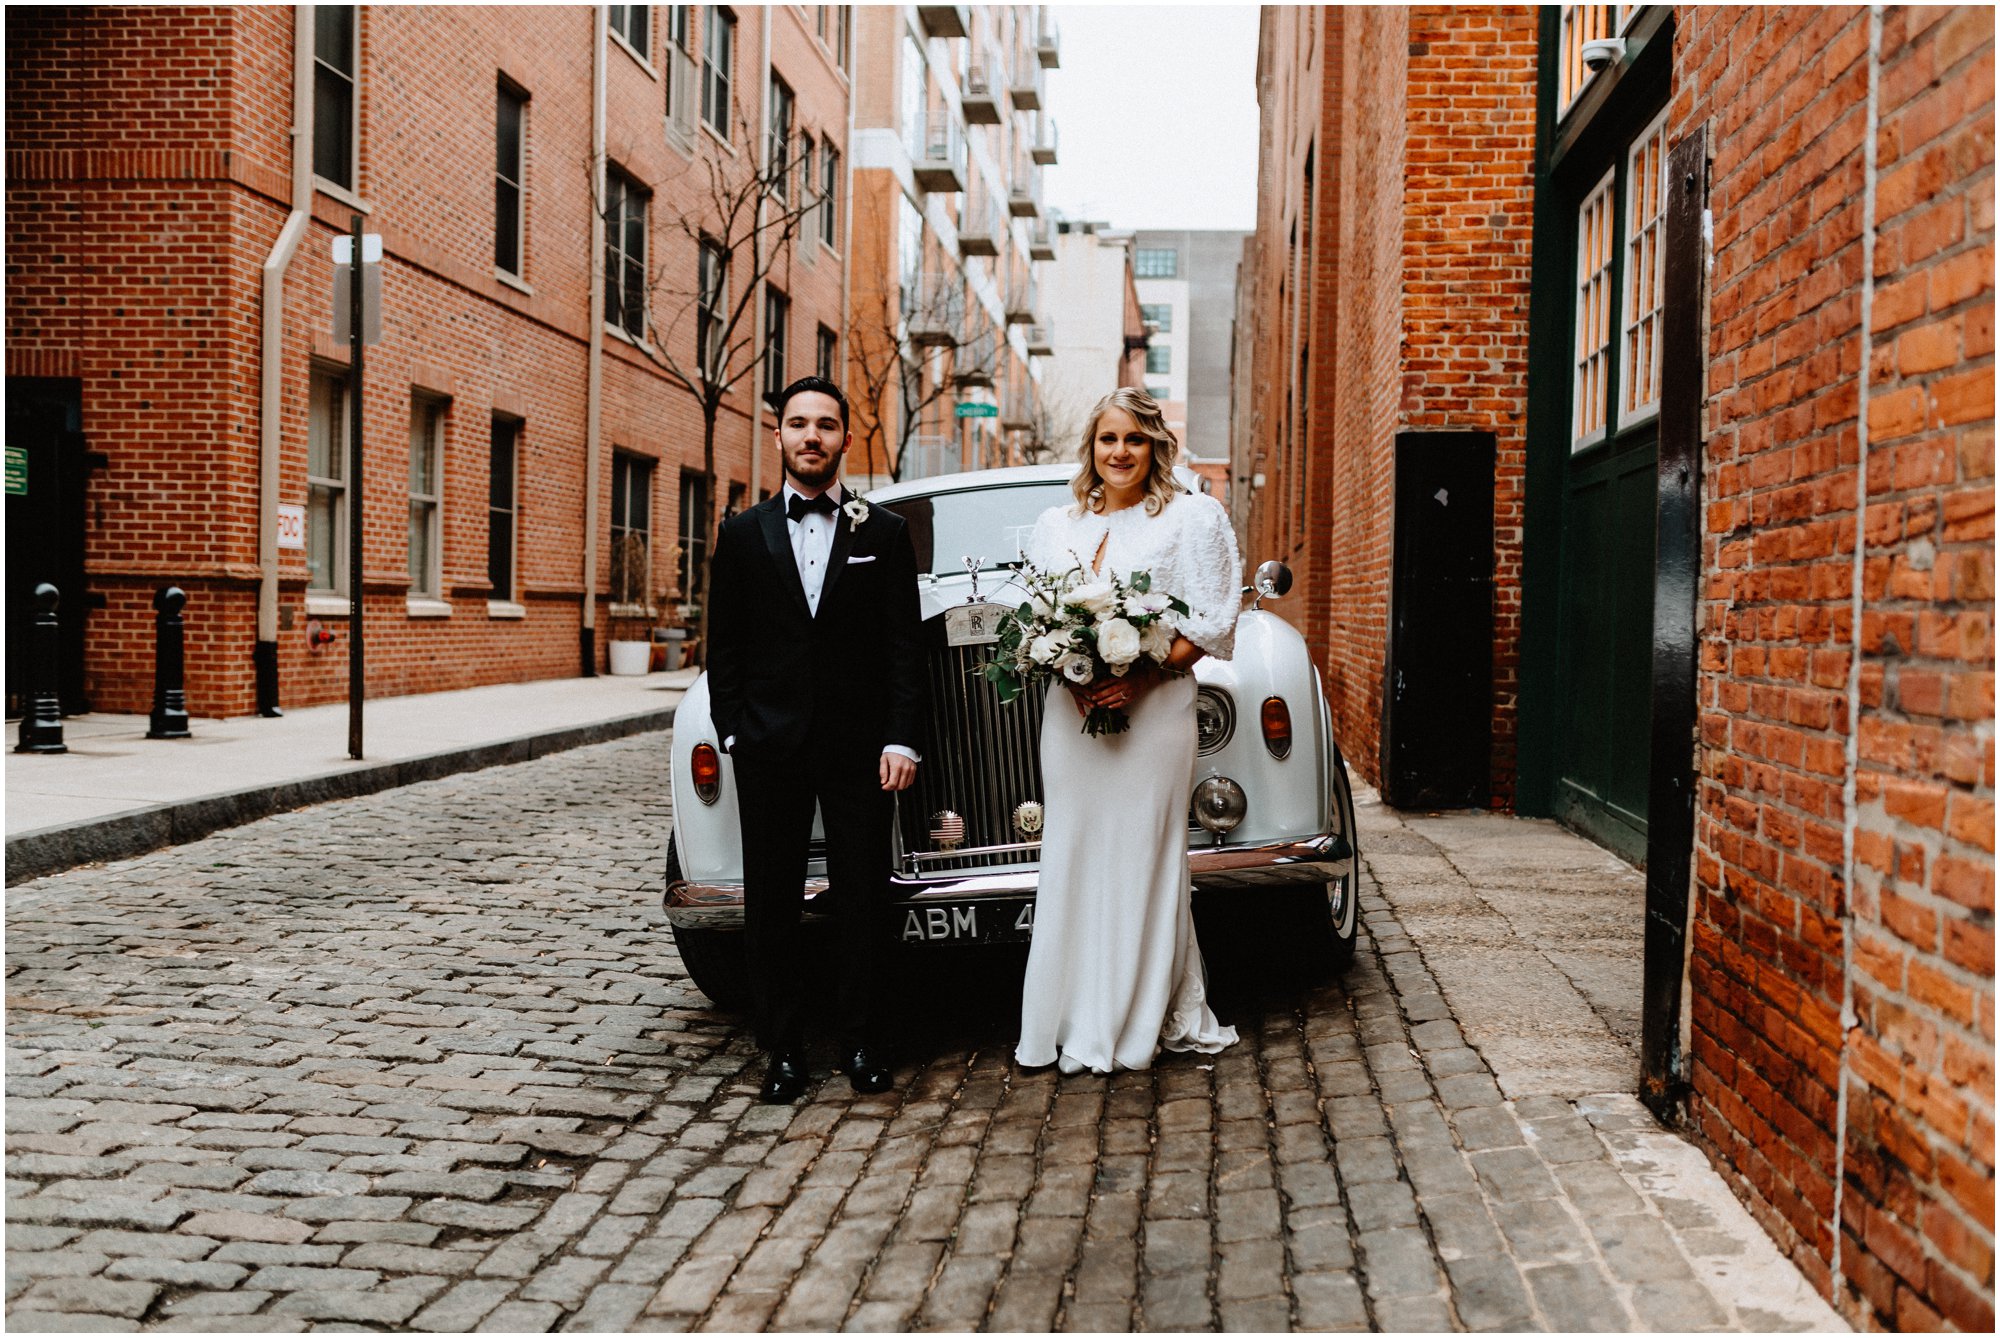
(1211,575)
(1048,544)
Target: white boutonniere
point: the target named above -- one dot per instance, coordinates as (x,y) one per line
(856,510)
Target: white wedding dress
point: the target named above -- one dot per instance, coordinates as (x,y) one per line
(1114,974)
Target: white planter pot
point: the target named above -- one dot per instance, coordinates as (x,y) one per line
(630,657)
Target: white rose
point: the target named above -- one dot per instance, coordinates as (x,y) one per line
(1075,667)
(1044,649)
(1039,607)
(1156,639)
(1098,598)
(1118,642)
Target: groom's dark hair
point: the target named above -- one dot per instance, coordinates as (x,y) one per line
(810,383)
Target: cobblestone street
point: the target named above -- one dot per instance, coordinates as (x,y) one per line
(427,1060)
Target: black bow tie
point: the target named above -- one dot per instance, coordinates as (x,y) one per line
(798,506)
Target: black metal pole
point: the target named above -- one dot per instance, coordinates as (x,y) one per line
(357,320)
(170,717)
(41,722)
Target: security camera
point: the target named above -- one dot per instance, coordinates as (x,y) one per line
(1603,53)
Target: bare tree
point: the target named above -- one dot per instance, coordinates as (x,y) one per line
(742,213)
(895,355)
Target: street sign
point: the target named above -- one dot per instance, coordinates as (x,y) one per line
(17,471)
(371,279)
(291,525)
(978,410)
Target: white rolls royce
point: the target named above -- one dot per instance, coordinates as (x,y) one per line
(1271,829)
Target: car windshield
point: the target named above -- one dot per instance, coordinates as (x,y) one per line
(992,524)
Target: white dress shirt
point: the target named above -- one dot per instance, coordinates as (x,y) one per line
(812,542)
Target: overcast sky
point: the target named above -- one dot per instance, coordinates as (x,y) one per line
(1157,108)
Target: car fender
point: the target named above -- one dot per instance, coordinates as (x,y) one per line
(1287,795)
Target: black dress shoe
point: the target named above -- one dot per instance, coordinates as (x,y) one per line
(786,1082)
(865,1072)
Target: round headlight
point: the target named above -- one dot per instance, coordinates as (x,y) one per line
(1214,720)
(1219,804)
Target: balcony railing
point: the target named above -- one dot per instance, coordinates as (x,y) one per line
(979,226)
(1024,197)
(927,456)
(973,360)
(945,20)
(1023,299)
(1041,340)
(1043,150)
(682,95)
(978,99)
(1048,41)
(1026,87)
(1042,239)
(937,152)
(934,308)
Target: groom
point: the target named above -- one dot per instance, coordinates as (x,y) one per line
(816,691)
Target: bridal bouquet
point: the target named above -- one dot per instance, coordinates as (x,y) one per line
(1081,630)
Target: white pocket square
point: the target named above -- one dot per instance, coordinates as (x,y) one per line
(851,561)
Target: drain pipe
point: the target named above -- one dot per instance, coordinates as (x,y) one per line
(759,334)
(271,364)
(593,431)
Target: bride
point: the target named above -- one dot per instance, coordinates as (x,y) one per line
(1113,971)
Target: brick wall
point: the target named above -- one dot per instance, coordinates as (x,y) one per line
(1886,1114)
(1420,124)
(148,156)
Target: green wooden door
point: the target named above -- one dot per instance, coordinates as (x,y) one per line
(1606,617)
(1610,489)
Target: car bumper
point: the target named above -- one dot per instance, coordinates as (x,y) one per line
(1301,862)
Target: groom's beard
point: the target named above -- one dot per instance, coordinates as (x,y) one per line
(816,479)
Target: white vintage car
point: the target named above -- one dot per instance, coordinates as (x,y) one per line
(1270,828)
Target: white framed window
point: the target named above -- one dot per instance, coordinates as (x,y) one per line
(781,111)
(326,483)
(1160,359)
(631,531)
(625,253)
(426,474)
(1580,24)
(1595,252)
(826,355)
(679,71)
(718,59)
(510,130)
(1156,263)
(632,24)
(1645,233)
(829,196)
(710,306)
(336,80)
(777,338)
(1161,314)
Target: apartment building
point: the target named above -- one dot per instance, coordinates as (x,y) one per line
(1619,381)
(533,476)
(948,322)
(1100,333)
(1187,293)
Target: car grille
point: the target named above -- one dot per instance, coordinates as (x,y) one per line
(982,760)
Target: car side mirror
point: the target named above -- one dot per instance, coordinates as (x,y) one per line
(1272,580)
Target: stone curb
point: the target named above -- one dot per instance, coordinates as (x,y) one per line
(47,850)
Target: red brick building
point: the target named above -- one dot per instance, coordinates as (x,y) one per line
(532,476)
(1705,294)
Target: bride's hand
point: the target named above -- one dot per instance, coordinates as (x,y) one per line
(1119,694)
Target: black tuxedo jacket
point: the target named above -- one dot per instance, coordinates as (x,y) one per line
(853,675)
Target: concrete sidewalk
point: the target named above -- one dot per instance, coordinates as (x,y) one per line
(116,793)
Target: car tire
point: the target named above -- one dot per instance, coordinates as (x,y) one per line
(714,958)
(1330,916)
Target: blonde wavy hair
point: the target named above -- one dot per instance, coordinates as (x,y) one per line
(1161,487)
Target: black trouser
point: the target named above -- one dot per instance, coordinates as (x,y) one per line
(774,801)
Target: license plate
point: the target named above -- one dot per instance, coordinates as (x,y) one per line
(970,922)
